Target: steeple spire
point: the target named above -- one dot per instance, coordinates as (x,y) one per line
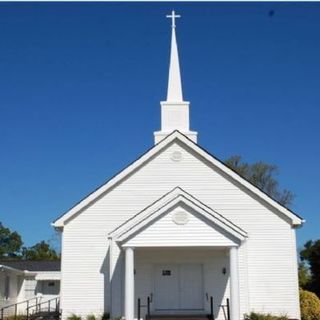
(174,111)
(174,83)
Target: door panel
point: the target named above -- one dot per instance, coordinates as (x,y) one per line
(166,287)
(191,287)
(178,287)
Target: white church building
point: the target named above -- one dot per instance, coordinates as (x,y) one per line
(178,234)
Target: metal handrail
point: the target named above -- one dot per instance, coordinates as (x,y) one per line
(15,305)
(37,306)
(139,309)
(227,305)
(211,309)
(143,305)
(148,306)
(43,302)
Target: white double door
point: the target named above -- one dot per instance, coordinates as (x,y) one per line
(178,287)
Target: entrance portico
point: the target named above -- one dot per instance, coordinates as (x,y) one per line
(181,280)
(173,250)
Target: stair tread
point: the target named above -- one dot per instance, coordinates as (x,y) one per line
(177,316)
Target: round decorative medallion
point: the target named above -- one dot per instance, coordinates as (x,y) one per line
(176,156)
(180,217)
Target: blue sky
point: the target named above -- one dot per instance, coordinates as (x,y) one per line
(80,85)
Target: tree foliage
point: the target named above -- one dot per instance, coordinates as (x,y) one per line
(10,243)
(263,176)
(304,276)
(40,251)
(11,247)
(311,254)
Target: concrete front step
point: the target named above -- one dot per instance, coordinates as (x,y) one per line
(45,315)
(178,317)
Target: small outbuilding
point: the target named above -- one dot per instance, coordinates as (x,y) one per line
(25,283)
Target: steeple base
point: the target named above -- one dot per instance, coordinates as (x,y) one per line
(160,135)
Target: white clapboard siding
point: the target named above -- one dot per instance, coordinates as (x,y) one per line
(30,284)
(196,232)
(13,291)
(268,281)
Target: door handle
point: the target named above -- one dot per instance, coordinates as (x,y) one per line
(207,296)
(151,297)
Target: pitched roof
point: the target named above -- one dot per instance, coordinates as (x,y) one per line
(168,201)
(296,220)
(33,265)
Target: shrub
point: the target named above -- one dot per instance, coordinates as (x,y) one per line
(309,305)
(261,316)
(90,317)
(105,316)
(74,317)
(17,317)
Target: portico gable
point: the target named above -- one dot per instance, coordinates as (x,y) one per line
(180,226)
(178,219)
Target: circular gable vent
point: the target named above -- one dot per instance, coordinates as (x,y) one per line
(176,156)
(180,217)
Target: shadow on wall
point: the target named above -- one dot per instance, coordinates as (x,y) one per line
(113,303)
(215,282)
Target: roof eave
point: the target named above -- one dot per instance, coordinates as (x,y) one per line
(4,267)
(295,219)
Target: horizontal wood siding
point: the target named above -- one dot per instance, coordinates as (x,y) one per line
(85,274)
(270,278)
(164,232)
(13,291)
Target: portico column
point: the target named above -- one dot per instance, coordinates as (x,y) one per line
(234,285)
(129,284)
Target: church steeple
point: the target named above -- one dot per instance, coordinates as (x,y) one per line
(174,83)
(174,111)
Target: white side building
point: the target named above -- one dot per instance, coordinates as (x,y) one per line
(26,283)
(177,226)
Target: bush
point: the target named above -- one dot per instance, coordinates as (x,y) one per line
(17,317)
(105,316)
(309,305)
(90,317)
(261,316)
(74,317)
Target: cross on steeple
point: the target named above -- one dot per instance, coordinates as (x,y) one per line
(174,111)
(173,17)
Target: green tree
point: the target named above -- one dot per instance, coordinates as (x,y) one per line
(40,251)
(311,254)
(10,243)
(304,276)
(263,176)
